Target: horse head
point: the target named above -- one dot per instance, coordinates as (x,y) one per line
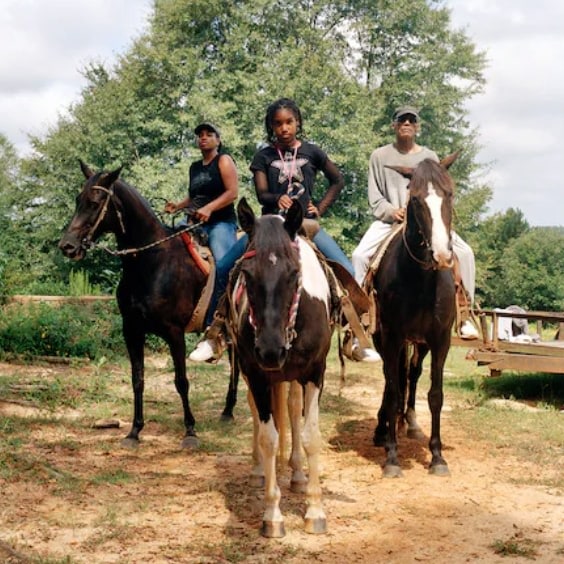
(94,212)
(271,272)
(427,233)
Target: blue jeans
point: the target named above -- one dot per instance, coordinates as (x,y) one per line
(329,248)
(223,267)
(221,237)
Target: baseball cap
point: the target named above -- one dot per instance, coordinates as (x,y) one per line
(209,126)
(404,110)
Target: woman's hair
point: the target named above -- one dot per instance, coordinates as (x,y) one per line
(281,104)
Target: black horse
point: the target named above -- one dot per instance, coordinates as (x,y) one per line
(281,326)
(414,291)
(160,286)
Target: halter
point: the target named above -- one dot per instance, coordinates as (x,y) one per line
(427,265)
(289,331)
(87,242)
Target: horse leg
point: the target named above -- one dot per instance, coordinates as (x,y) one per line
(414,431)
(298,481)
(438,464)
(135,343)
(177,347)
(272,521)
(257,473)
(315,519)
(390,406)
(402,386)
(231,397)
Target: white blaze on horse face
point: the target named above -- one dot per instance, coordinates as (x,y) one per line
(440,235)
(273,259)
(314,281)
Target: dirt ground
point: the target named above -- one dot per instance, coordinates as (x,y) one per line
(185,507)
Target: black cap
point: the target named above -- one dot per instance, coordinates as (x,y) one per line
(209,126)
(405,110)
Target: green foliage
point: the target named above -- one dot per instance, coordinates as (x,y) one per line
(531,270)
(79,284)
(346,63)
(65,331)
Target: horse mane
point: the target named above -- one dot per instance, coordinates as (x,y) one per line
(429,171)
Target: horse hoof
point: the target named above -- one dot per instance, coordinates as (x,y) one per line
(415,434)
(256,481)
(316,526)
(392,471)
(439,470)
(129,442)
(273,529)
(190,441)
(227,418)
(298,486)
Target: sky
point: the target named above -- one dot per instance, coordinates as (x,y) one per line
(519,116)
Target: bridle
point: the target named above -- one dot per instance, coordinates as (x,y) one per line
(88,243)
(429,264)
(289,330)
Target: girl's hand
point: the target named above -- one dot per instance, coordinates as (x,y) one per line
(170,207)
(284,202)
(312,209)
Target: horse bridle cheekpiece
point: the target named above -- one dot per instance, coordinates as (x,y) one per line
(87,241)
(289,330)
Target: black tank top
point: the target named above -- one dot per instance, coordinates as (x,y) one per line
(206,185)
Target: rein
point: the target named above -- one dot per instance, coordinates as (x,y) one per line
(289,330)
(87,242)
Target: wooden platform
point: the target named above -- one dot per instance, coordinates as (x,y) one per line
(499,355)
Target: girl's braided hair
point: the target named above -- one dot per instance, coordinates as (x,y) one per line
(281,104)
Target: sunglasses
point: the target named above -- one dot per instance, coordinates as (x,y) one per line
(407,117)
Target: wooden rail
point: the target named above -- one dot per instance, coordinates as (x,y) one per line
(498,354)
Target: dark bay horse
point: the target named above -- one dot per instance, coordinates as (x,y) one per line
(160,284)
(414,291)
(281,326)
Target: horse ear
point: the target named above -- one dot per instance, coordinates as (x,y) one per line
(294,219)
(111,177)
(246,216)
(406,171)
(85,169)
(447,161)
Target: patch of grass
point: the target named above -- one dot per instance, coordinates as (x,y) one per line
(517,545)
(113,477)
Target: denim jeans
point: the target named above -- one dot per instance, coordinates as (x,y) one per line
(223,267)
(221,237)
(329,248)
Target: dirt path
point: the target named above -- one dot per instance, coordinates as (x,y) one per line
(184,507)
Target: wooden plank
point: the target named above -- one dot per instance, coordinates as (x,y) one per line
(498,361)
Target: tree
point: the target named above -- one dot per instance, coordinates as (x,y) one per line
(347,63)
(532,270)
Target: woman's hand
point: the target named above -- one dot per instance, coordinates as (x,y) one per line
(203,213)
(170,207)
(285,202)
(312,210)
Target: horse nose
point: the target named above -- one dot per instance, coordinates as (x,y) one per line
(270,357)
(69,249)
(444,260)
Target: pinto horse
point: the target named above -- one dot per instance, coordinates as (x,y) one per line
(160,284)
(414,291)
(281,325)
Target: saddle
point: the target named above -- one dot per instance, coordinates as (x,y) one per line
(203,258)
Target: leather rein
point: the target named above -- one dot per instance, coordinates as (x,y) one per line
(88,243)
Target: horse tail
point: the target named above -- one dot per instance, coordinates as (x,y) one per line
(280,413)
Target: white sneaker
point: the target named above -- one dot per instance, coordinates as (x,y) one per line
(468,331)
(364,355)
(203,352)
